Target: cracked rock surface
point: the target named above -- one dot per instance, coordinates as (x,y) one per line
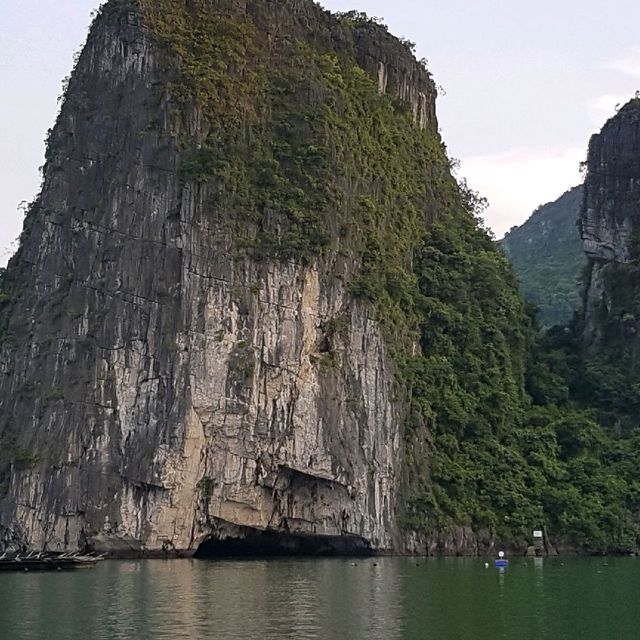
(611,213)
(156,391)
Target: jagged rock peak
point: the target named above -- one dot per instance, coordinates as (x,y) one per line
(266,25)
(610,212)
(610,224)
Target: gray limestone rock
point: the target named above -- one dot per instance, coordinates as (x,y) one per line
(155,390)
(610,220)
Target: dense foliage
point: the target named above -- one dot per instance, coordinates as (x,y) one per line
(592,402)
(304,161)
(548,259)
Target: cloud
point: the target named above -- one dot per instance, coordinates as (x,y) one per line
(517,181)
(628,63)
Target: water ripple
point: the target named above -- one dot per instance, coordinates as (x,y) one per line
(333,599)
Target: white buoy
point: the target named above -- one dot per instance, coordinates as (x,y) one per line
(486,565)
(501,561)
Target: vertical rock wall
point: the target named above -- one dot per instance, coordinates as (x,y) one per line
(155,390)
(610,222)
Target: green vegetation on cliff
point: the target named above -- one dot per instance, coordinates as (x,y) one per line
(309,161)
(345,169)
(592,405)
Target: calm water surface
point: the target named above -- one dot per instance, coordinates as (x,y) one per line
(453,599)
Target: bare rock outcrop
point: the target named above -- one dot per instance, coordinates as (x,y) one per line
(610,224)
(156,388)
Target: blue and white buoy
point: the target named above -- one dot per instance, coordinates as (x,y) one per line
(501,561)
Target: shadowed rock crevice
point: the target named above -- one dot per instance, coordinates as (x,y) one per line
(271,543)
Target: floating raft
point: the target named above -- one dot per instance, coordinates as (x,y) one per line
(47,561)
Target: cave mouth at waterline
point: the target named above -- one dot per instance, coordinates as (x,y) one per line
(265,544)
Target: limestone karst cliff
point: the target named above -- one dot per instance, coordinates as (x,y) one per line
(250,297)
(159,382)
(610,225)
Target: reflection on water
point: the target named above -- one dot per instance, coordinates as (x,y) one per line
(332,599)
(279,599)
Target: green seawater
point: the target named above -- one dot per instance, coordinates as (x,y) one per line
(327,599)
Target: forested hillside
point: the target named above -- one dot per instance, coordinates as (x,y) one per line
(548,258)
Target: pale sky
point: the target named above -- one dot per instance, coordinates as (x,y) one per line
(526,84)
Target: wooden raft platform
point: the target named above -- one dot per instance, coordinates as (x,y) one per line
(47,561)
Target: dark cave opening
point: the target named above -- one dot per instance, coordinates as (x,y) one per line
(261,544)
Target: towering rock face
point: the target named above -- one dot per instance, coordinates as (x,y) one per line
(610,226)
(181,359)
(548,259)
